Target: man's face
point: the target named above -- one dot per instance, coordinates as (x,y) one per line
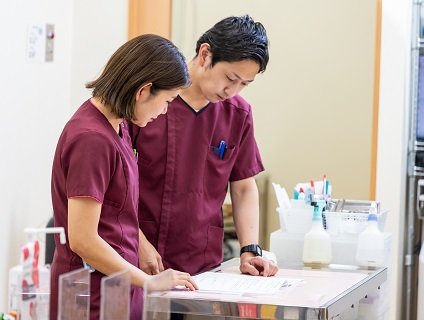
(226,79)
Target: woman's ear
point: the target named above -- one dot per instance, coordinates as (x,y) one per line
(204,53)
(143,92)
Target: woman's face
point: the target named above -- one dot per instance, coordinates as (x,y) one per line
(148,107)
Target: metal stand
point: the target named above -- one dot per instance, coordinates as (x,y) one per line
(415,196)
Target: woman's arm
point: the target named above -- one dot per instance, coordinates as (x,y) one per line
(84,240)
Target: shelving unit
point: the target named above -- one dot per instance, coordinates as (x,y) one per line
(414,201)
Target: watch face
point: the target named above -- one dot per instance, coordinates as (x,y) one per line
(259,251)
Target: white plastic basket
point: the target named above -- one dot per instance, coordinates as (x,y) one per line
(294,220)
(350,223)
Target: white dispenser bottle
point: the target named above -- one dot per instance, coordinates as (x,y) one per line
(35,276)
(370,247)
(317,242)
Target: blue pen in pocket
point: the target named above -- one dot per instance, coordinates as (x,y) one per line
(221,149)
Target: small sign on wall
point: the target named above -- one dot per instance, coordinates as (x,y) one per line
(40,43)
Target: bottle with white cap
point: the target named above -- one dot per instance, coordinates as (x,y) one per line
(29,282)
(317,242)
(370,247)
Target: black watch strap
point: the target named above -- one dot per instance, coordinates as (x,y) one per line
(254,248)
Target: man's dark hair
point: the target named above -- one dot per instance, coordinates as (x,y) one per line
(235,39)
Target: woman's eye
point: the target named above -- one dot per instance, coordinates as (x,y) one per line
(229,79)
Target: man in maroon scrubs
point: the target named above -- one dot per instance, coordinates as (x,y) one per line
(188,157)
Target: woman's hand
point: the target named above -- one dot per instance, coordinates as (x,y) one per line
(168,279)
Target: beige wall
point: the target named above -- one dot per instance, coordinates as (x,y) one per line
(313,106)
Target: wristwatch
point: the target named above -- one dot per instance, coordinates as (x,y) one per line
(254,248)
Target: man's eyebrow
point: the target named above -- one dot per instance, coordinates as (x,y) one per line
(235,74)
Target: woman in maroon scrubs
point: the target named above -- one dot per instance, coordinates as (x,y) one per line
(95,187)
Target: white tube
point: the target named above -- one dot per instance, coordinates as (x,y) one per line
(59,230)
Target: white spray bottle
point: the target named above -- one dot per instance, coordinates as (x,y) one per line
(317,242)
(370,247)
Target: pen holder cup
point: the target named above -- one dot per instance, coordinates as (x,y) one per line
(351,223)
(295,220)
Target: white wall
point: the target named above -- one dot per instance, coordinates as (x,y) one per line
(99,27)
(35,104)
(392,133)
(37,99)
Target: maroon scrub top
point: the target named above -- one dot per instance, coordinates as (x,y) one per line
(92,160)
(183,181)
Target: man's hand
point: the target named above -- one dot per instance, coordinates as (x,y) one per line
(257,266)
(150,259)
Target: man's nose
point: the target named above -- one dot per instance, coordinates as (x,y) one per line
(232,90)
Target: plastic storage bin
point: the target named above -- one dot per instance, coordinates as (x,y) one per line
(351,223)
(289,247)
(295,220)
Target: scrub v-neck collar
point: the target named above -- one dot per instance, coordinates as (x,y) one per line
(193,110)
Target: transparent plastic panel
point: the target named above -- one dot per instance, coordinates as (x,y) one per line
(74,295)
(115,296)
(156,301)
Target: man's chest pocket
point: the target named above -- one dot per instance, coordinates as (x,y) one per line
(218,167)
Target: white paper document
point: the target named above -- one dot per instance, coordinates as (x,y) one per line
(239,283)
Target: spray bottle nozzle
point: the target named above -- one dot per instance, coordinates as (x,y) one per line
(319,205)
(60,230)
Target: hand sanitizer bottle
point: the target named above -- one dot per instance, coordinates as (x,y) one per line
(370,247)
(29,282)
(317,242)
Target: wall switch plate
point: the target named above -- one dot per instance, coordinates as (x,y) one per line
(40,43)
(49,42)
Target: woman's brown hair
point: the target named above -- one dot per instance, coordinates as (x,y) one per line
(144,59)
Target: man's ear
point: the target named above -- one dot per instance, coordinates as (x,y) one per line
(143,91)
(204,52)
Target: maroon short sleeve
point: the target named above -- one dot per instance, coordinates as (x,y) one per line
(248,161)
(88,164)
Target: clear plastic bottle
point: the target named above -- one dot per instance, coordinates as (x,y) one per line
(370,247)
(317,242)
